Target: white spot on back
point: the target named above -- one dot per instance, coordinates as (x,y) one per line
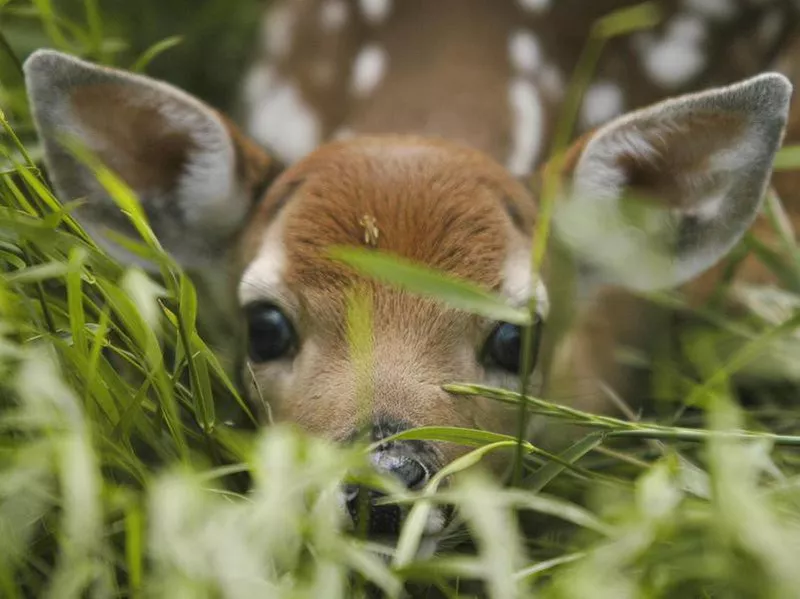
(713,9)
(678,56)
(278,27)
(523,47)
(602,102)
(376,11)
(343,133)
(527,122)
(333,15)
(279,117)
(551,81)
(534,5)
(257,83)
(369,67)
(688,28)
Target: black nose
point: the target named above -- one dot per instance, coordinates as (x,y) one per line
(411,472)
(384,520)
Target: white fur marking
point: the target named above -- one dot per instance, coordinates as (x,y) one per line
(257,83)
(713,9)
(534,5)
(368,69)
(208,185)
(263,277)
(710,208)
(551,81)
(738,156)
(427,548)
(598,175)
(278,30)
(376,11)
(436,522)
(523,47)
(280,118)
(527,123)
(602,102)
(688,28)
(333,15)
(678,56)
(518,283)
(343,133)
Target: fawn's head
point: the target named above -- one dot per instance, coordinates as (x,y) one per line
(255,236)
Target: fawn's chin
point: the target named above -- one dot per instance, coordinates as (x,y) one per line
(387,537)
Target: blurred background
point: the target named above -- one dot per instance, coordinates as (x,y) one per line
(202,47)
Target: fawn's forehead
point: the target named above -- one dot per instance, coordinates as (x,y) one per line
(429,201)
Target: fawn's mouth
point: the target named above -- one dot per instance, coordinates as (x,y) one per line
(372,514)
(378,517)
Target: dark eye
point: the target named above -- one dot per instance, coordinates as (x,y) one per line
(504,347)
(270,333)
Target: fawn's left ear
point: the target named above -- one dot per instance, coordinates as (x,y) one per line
(659,195)
(194,173)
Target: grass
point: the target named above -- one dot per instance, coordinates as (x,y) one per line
(129,465)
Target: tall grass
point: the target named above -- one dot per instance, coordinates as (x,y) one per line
(130,465)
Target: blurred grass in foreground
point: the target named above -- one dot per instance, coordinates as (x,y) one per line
(119,475)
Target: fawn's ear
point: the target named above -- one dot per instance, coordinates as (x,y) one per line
(195,175)
(656,197)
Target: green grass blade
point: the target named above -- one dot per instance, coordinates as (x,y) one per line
(154,51)
(414,526)
(542,477)
(422,280)
(787,159)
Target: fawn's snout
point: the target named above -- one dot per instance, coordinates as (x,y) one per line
(412,464)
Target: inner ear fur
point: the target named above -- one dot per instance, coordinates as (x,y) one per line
(196,175)
(675,185)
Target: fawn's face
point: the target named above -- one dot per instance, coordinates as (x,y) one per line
(438,204)
(702,161)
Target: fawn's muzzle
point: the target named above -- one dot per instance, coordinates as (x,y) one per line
(412,463)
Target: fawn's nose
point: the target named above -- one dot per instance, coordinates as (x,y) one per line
(384,520)
(411,473)
(409,462)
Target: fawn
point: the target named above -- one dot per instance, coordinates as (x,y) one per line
(426,120)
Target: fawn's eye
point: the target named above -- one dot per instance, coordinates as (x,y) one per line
(270,333)
(504,347)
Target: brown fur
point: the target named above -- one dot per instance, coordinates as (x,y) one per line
(255,167)
(433,202)
(683,154)
(443,205)
(156,153)
(448,68)
(446,205)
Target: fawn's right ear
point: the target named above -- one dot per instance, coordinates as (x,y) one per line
(195,175)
